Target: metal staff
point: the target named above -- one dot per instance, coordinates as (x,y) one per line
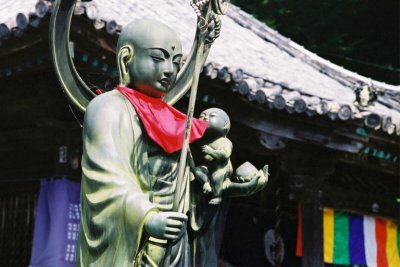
(218,7)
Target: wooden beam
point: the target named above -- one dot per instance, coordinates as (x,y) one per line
(294,131)
(360,202)
(362,161)
(83,31)
(31,38)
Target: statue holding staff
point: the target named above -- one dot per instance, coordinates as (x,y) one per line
(136,196)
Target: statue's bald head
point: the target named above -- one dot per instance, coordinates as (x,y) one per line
(148,56)
(146,33)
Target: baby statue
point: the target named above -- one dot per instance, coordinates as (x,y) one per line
(217,151)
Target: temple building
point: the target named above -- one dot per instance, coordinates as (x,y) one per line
(330,136)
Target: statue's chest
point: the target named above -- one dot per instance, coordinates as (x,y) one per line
(219,144)
(162,168)
(160,163)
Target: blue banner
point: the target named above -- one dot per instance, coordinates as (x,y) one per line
(56,224)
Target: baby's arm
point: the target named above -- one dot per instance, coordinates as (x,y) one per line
(220,154)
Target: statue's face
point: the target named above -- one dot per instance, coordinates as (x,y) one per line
(218,122)
(155,65)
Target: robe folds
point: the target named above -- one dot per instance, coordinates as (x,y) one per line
(125,175)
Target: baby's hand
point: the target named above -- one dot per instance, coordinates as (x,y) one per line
(207,188)
(207,149)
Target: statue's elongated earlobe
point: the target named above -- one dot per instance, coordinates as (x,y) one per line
(125,55)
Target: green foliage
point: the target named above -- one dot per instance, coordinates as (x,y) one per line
(361,35)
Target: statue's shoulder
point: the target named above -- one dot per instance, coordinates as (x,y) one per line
(108,108)
(106,100)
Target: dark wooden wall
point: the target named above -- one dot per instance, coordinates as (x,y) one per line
(35,121)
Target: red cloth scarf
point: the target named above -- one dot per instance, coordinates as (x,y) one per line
(164,124)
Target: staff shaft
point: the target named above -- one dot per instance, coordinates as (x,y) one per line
(180,180)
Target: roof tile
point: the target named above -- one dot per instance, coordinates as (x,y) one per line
(246,46)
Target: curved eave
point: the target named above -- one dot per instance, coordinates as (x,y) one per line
(324,88)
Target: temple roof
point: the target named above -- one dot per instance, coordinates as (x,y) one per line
(254,60)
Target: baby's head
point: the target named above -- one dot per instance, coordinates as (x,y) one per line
(219,123)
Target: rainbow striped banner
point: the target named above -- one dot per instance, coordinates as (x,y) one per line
(363,240)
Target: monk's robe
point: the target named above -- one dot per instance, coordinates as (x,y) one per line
(125,176)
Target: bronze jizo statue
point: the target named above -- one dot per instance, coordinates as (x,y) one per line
(128,180)
(141,205)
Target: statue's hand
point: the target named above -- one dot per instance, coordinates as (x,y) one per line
(207,149)
(256,183)
(165,225)
(207,188)
(259,181)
